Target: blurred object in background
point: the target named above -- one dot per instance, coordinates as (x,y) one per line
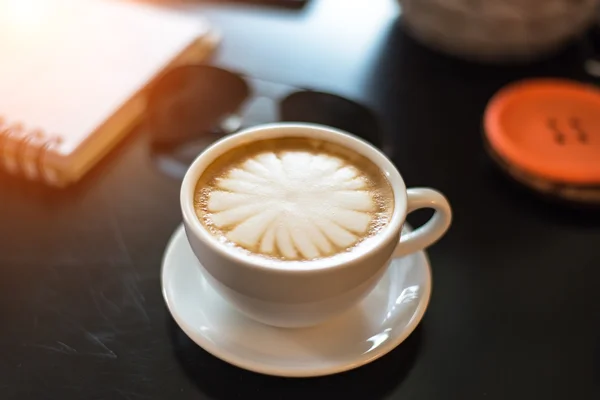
(73,75)
(500,31)
(592,65)
(545,133)
(277,3)
(192,106)
(292,4)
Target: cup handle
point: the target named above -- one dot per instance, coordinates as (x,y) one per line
(433,229)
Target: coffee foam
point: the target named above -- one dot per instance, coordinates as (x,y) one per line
(293,198)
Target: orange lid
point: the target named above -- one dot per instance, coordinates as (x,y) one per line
(549,128)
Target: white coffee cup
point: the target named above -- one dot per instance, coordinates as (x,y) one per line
(299,294)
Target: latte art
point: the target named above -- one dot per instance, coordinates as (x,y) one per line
(292,199)
(302,205)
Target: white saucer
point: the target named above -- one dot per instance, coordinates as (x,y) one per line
(382,321)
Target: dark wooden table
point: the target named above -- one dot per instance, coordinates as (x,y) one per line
(515,311)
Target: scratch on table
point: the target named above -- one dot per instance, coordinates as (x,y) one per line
(137,298)
(61,348)
(99,309)
(98,296)
(95,339)
(67,348)
(64,348)
(108,301)
(118,231)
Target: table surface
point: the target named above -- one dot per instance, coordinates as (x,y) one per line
(515,310)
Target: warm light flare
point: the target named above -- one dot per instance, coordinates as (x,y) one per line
(24,13)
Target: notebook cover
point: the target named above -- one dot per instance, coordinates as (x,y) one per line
(76,69)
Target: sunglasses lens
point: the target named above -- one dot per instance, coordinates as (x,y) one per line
(335,111)
(189,108)
(193,101)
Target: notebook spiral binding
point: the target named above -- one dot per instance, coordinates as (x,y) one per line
(23,152)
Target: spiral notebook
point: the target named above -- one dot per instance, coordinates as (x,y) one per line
(73,74)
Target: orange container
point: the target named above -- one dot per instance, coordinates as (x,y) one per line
(547,128)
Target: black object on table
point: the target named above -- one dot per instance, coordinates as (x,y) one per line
(515,310)
(192,106)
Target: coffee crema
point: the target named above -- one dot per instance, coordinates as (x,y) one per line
(293,199)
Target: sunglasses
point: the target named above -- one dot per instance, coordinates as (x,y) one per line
(192,106)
